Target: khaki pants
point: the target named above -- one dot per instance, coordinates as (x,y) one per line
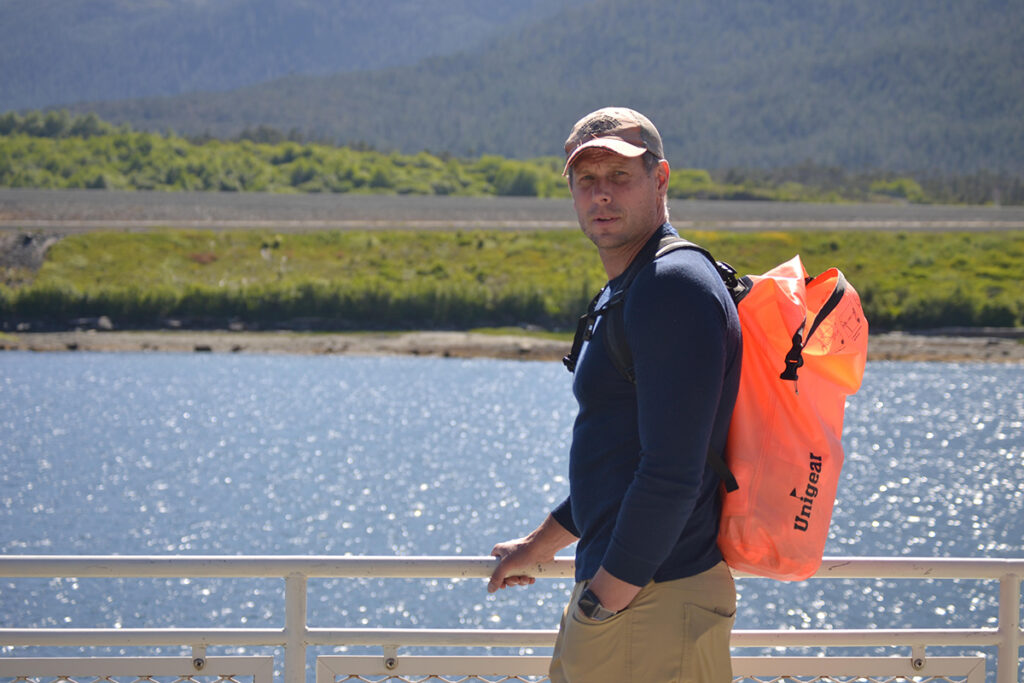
(672,632)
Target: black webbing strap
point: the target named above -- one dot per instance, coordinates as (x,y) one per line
(584,330)
(615,328)
(717,463)
(795,358)
(615,341)
(619,352)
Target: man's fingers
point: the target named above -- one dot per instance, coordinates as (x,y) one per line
(494,586)
(501,577)
(498,577)
(519,580)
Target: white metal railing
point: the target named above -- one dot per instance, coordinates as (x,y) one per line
(296,635)
(221,669)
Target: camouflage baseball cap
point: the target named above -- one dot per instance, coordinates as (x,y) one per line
(617,129)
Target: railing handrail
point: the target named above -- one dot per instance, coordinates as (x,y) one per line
(296,634)
(481,637)
(451,567)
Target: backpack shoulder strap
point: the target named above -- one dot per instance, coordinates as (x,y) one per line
(613,309)
(615,325)
(584,330)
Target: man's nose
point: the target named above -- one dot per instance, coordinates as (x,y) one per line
(601,191)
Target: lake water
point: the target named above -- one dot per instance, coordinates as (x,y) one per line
(211,454)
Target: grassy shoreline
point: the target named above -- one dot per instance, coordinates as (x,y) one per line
(408,280)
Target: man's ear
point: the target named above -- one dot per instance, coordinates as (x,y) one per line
(663,175)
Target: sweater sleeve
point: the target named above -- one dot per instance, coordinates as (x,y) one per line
(563,515)
(676,329)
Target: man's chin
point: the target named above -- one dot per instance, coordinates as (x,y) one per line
(603,232)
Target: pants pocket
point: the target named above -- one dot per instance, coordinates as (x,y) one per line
(593,651)
(673,632)
(705,655)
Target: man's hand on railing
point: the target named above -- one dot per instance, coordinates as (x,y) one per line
(513,556)
(522,554)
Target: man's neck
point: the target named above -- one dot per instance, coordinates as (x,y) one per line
(616,261)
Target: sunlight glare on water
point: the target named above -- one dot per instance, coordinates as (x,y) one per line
(167,454)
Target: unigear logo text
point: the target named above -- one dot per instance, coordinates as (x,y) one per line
(802,520)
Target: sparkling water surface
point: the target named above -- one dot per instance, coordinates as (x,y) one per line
(165,454)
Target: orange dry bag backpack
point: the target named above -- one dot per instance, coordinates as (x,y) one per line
(804,350)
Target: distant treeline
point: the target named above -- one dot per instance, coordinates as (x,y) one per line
(57,150)
(832,183)
(353,280)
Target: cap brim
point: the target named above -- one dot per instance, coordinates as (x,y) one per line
(615,145)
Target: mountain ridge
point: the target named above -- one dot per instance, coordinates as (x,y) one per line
(933,85)
(58,52)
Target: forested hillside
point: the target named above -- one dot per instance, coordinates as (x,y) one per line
(56,150)
(63,51)
(932,85)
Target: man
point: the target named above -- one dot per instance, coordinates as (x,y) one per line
(653,601)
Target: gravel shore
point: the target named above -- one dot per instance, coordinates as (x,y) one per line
(888,346)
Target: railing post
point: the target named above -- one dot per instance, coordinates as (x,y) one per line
(1008,660)
(295,629)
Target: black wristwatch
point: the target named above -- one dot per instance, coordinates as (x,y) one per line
(592,608)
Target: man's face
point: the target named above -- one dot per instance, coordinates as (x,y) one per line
(618,203)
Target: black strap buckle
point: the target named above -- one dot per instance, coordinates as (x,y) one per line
(795,357)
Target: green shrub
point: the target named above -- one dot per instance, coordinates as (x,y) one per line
(685,183)
(899,188)
(516,179)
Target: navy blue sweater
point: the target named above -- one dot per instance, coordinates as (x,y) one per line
(643,501)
